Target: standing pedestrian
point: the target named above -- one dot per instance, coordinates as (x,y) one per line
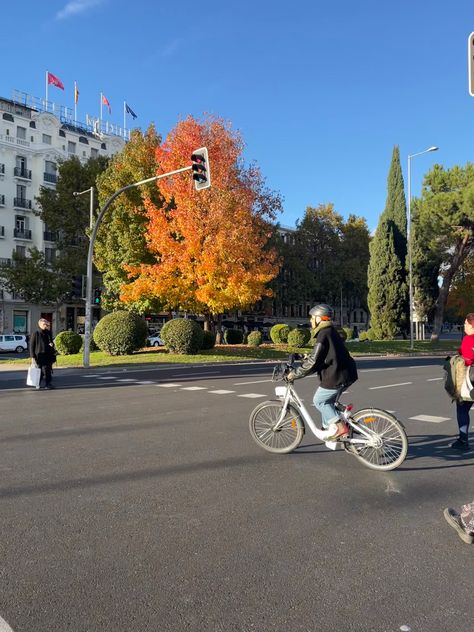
(466,350)
(42,352)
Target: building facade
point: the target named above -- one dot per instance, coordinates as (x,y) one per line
(34,136)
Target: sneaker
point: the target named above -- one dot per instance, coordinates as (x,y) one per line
(460,444)
(454,521)
(49,387)
(342,430)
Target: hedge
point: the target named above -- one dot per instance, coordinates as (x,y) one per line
(299,338)
(279,334)
(254,339)
(208,340)
(182,335)
(68,342)
(233,336)
(120,333)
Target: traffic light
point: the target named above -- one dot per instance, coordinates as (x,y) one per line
(97,296)
(77,286)
(201,170)
(470,52)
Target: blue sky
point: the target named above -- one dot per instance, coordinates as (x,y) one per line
(320,91)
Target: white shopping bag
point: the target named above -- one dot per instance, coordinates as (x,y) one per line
(34,376)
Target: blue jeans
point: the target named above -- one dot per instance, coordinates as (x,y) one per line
(324,400)
(462,414)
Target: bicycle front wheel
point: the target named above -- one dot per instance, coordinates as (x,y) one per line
(281,440)
(388,446)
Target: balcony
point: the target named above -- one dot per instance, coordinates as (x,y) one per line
(50,177)
(24,233)
(5,262)
(49,235)
(21,172)
(2,231)
(2,200)
(22,203)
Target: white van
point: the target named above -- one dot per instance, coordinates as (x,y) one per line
(13,342)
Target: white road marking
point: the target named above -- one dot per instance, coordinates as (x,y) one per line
(4,627)
(221,392)
(193,388)
(168,385)
(369,370)
(435,379)
(374,388)
(126,379)
(252,395)
(197,374)
(145,382)
(88,375)
(106,377)
(430,419)
(256,382)
(420,366)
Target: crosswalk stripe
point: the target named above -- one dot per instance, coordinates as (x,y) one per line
(126,379)
(252,395)
(221,392)
(430,418)
(169,385)
(193,388)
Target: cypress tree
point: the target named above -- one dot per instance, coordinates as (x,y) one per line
(388,288)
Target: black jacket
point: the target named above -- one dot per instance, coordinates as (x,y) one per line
(41,349)
(330,359)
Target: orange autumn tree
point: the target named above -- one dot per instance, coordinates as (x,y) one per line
(211,246)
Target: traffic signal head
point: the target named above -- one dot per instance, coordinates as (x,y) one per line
(470,60)
(201,170)
(97,296)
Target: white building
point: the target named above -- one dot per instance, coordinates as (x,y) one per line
(34,136)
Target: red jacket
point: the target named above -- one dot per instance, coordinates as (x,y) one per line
(467,350)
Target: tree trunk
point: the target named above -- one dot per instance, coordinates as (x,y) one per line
(460,254)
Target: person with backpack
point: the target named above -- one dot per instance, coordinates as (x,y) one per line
(466,350)
(334,364)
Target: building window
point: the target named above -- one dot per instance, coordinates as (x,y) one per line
(21,132)
(94,152)
(50,167)
(21,251)
(71,147)
(21,191)
(47,139)
(62,133)
(20,223)
(50,255)
(33,124)
(83,139)
(8,117)
(20,322)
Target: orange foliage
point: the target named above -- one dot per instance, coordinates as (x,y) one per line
(211,245)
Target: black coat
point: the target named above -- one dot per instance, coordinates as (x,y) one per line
(41,349)
(331,359)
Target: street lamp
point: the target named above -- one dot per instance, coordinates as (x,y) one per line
(410,270)
(91,208)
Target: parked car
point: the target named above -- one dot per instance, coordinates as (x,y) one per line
(13,342)
(155,341)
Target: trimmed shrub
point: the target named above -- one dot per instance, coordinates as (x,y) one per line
(208,340)
(348,332)
(279,334)
(182,335)
(299,338)
(363,336)
(92,345)
(254,339)
(120,333)
(233,336)
(68,342)
(370,334)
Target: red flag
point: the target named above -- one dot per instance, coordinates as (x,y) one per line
(55,81)
(105,101)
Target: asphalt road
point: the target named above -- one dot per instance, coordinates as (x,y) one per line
(137,501)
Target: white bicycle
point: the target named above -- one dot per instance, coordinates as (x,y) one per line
(376,437)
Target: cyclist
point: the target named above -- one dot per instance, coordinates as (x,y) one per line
(335,366)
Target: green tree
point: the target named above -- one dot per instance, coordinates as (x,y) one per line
(386,275)
(33,279)
(69,216)
(390,240)
(445,217)
(121,239)
(354,260)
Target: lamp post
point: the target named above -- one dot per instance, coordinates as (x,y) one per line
(91,208)
(410,267)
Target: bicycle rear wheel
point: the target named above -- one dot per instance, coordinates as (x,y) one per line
(390,443)
(286,438)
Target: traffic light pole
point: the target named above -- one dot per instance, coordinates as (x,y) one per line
(87,324)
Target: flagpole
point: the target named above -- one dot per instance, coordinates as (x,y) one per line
(124,119)
(46,100)
(100,118)
(75,102)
